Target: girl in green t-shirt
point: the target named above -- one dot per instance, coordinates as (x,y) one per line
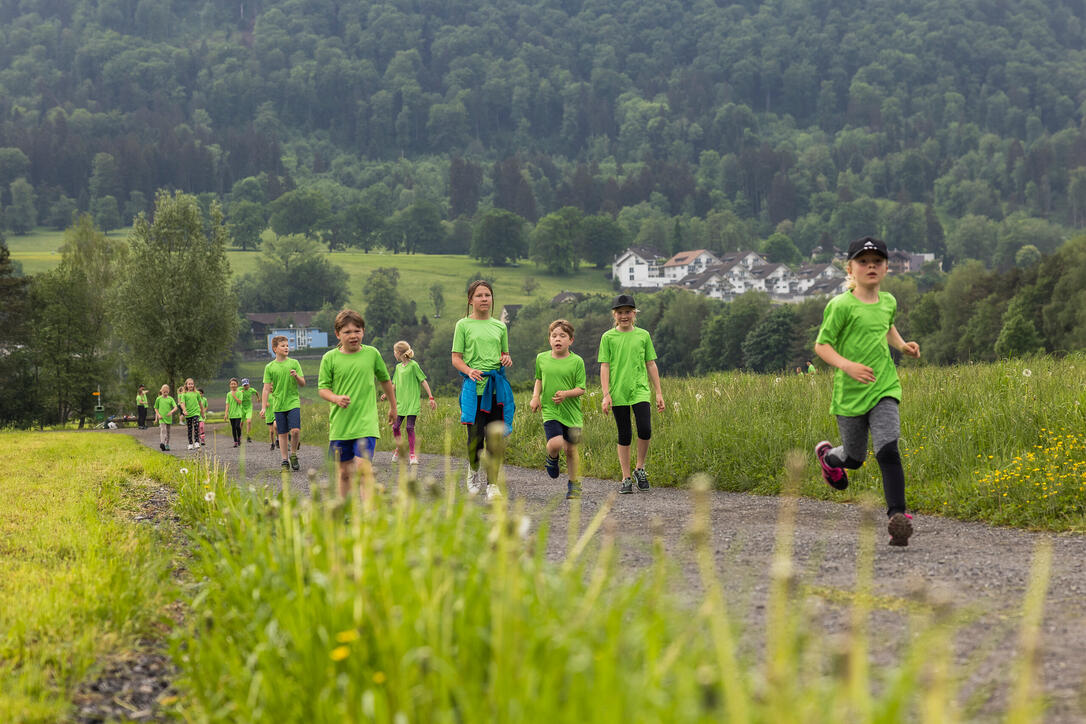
(480,353)
(235,410)
(409,380)
(856,334)
(627,368)
(165,408)
(192,409)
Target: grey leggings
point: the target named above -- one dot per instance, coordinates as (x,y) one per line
(884,424)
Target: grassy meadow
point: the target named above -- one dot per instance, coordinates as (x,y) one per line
(80,580)
(1003,443)
(37,252)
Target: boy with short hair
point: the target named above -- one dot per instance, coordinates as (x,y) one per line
(284,376)
(346,380)
(559,384)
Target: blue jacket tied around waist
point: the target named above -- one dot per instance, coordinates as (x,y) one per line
(501,393)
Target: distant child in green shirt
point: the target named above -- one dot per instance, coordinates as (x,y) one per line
(409,381)
(346,380)
(627,367)
(235,410)
(191,408)
(559,384)
(247,395)
(141,408)
(165,408)
(856,335)
(284,376)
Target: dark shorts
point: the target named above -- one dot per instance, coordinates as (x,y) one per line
(347,450)
(289,420)
(553,428)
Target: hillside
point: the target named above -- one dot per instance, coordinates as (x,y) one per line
(698,125)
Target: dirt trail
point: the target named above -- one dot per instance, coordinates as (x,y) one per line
(976,568)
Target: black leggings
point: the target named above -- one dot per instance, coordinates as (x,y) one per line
(193,426)
(477,430)
(235,428)
(642,417)
(141,415)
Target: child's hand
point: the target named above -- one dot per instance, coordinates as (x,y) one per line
(475,375)
(506,360)
(433,405)
(912,349)
(383,397)
(294,373)
(392,415)
(660,402)
(535,403)
(559,397)
(859,372)
(605,404)
(262,414)
(343,400)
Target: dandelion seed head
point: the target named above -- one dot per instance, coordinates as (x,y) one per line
(209,496)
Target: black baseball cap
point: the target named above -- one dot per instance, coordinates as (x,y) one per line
(867,243)
(623,300)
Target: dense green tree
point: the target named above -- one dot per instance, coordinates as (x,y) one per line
(247,222)
(107,215)
(13,164)
(302,211)
(554,241)
(499,237)
(358,225)
(16,363)
(767,347)
(437,298)
(682,320)
(779,249)
(62,213)
(22,215)
(291,275)
(385,310)
(1018,338)
(721,341)
(188,325)
(599,240)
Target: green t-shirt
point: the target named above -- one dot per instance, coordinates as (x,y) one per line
(203,406)
(352,375)
(247,397)
(284,388)
(627,353)
(235,406)
(190,402)
(857,331)
(566,373)
(163,405)
(407,380)
(481,342)
(141,399)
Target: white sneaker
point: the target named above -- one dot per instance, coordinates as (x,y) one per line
(196,445)
(493,492)
(395,456)
(475,485)
(414,460)
(190,446)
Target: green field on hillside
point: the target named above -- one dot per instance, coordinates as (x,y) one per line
(38,252)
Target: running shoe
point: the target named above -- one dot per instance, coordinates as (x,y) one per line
(627,486)
(475,485)
(573,490)
(493,492)
(293,462)
(900,528)
(834,477)
(162,446)
(413,460)
(271,446)
(190,446)
(551,464)
(642,479)
(286,466)
(395,456)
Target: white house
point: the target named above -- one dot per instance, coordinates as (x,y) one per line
(688,262)
(639,266)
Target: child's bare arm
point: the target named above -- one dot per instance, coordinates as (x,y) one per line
(535,402)
(855,370)
(390,393)
(895,340)
(425,386)
(654,378)
(264,398)
(605,383)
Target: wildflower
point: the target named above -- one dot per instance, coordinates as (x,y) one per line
(698,397)
(523,526)
(379,677)
(776,380)
(346,637)
(209,496)
(340,652)
(1026,372)
(184,471)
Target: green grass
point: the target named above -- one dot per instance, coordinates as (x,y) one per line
(79,579)
(411,607)
(1002,443)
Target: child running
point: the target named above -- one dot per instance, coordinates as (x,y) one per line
(856,335)
(284,376)
(559,384)
(627,366)
(247,395)
(480,353)
(408,379)
(235,410)
(189,401)
(346,381)
(165,407)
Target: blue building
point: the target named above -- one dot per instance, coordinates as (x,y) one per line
(299,338)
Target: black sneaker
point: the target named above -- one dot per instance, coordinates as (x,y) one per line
(293,462)
(248,439)
(900,528)
(642,479)
(162,446)
(271,446)
(627,486)
(573,490)
(552,466)
(286,465)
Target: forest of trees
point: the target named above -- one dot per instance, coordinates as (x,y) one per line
(697,124)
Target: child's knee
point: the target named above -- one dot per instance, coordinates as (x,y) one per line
(888,454)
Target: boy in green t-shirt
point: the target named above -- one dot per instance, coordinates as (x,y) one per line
(559,384)
(284,376)
(235,410)
(165,407)
(346,380)
(627,367)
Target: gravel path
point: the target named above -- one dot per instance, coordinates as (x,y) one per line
(979,570)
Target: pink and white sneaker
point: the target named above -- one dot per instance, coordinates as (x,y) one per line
(834,477)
